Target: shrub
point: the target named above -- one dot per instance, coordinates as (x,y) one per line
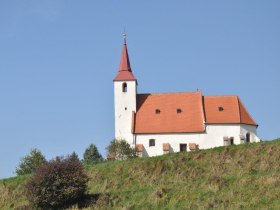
(120,150)
(31,162)
(91,155)
(56,184)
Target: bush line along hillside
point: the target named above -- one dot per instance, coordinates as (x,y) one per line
(234,177)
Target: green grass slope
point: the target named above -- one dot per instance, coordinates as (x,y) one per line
(11,192)
(233,177)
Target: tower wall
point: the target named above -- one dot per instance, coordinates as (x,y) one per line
(125,104)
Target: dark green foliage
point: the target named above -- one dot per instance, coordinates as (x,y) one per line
(57,184)
(74,156)
(120,150)
(30,162)
(92,156)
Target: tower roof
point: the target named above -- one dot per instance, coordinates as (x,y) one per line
(125,72)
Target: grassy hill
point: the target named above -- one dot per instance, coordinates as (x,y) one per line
(233,177)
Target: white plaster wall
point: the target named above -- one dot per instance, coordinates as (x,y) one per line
(123,117)
(173,139)
(213,137)
(215,133)
(252,130)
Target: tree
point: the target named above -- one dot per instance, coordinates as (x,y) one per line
(92,156)
(57,184)
(120,150)
(74,156)
(30,162)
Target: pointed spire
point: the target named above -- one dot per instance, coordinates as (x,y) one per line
(125,72)
(125,64)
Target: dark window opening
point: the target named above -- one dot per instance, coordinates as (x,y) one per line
(152,142)
(124,87)
(157,111)
(221,108)
(231,140)
(183,147)
(248,138)
(179,111)
(125,108)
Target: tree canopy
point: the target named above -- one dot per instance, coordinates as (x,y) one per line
(30,162)
(74,156)
(91,155)
(120,150)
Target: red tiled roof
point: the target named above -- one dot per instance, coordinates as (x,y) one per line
(124,72)
(226,109)
(178,113)
(229,112)
(245,117)
(183,112)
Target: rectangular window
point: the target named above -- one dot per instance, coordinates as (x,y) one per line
(152,142)
(242,139)
(226,141)
(183,147)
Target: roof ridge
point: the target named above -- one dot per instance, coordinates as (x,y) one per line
(222,96)
(168,93)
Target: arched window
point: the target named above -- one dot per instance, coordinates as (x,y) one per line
(124,87)
(248,138)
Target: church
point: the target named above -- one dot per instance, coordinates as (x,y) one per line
(160,123)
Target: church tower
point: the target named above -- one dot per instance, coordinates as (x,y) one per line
(125,90)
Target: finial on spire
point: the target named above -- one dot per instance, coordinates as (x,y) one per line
(124,36)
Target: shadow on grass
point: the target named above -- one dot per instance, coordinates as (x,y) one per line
(88,200)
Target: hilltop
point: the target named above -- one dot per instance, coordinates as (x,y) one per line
(234,177)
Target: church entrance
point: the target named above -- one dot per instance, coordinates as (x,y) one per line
(248,138)
(183,147)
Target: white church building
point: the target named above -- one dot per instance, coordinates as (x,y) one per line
(159,123)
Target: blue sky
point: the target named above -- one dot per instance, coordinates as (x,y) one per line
(58,60)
